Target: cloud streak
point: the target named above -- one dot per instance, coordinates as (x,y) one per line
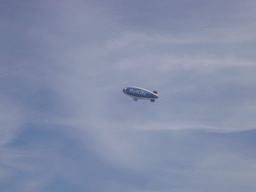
(66,125)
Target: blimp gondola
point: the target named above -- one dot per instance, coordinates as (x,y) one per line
(140,93)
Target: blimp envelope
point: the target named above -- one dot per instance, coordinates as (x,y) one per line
(140,93)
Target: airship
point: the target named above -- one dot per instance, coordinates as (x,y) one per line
(140,93)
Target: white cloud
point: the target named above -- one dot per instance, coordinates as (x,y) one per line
(229,169)
(78,59)
(11,118)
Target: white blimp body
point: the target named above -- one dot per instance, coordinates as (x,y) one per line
(140,93)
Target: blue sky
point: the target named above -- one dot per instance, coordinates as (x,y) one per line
(67,126)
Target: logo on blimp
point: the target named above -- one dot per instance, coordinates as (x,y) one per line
(140,93)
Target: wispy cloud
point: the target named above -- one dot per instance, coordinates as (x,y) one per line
(66,125)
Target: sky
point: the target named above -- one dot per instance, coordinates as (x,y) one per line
(65,124)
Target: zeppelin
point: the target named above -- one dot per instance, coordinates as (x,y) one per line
(140,93)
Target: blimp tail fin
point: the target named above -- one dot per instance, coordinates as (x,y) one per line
(155,92)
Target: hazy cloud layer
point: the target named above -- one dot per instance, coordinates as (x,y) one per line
(67,126)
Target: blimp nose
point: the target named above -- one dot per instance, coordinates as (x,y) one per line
(124,90)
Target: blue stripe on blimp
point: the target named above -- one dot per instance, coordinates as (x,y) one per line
(139,93)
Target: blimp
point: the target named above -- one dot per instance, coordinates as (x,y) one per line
(140,93)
